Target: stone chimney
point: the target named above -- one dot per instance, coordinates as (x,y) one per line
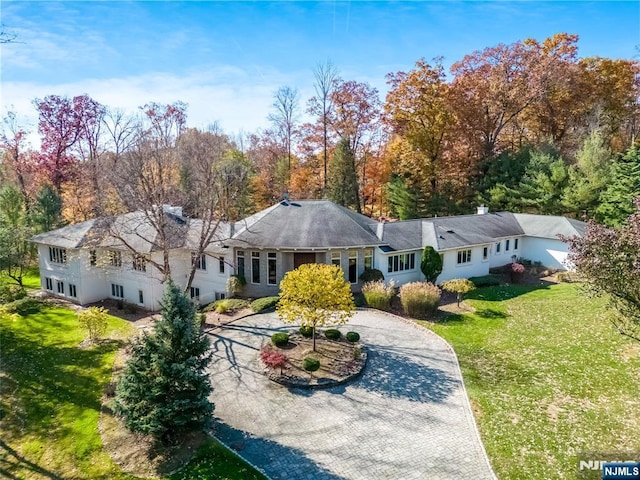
(482,210)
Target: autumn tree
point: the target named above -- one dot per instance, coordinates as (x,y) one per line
(607,257)
(164,389)
(284,118)
(315,295)
(459,286)
(342,187)
(13,143)
(321,105)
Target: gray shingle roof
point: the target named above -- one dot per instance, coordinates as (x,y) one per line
(549,226)
(305,224)
(403,235)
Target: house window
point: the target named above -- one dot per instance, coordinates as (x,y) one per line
(72,291)
(401,263)
(515,243)
(115,258)
(58,255)
(255,267)
(60,287)
(335,258)
(271,268)
(368,258)
(49,283)
(140,297)
(485,253)
(240,263)
(139,263)
(353,267)
(195,293)
(506,245)
(117,291)
(498,247)
(92,258)
(464,256)
(221,264)
(200,261)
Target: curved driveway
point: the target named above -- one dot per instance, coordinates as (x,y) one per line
(407,417)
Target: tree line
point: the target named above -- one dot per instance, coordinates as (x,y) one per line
(529,126)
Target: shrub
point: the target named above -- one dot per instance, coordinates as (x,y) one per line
(94,320)
(352,337)
(485,281)
(131,308)
(371,275)
(227,305)
(359,300)
(357,353)
(378,295)
(235,284)
(280,339)
(430,264)
(273,359)
(24,306)
(459,286)
(306,332)
(264,303)
(419,299)
(332,334)
(310,364)
(11,293)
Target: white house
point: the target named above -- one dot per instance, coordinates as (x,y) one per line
(85,263)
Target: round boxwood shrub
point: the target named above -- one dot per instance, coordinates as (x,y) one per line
(310,364)
(333,334)
(352,337)
(371,275)
(280,339)
(306,332)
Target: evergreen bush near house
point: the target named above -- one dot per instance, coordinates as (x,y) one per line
(371,275)
(306,332)
(235,283)
(419,299)
(24,306)
(431,264)
(459,286)
(164,389)
(265,303)
(378,295)
(333,334)
(352,337)
(95,321)
(280,339)
(310,364)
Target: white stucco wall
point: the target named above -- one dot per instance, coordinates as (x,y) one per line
(475,268)
(550,252)
(381,262)
(497,259)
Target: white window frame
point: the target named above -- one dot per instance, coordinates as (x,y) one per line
(115,258)
(240,256)
(58,255)
(194,292)
(60,287)
(368,258)
(73,292)
(485,254)
(139,263)
(498,247)
(402,262)
(507,244)
(200,261)
(117,291)
(336,259)
(221,265)
(255,257)
(464,256)
(48,281)
(516,243)
(353,255)
(272,261)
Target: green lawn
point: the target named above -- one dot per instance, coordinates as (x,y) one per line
(30,281)
(548,377)
(50,392)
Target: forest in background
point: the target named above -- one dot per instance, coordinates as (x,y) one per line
(526,127)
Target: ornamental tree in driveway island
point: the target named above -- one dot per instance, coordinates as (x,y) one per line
(315,295)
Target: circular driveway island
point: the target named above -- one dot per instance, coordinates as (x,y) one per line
(406,417)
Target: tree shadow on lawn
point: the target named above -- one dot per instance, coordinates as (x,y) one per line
(504,292)
(11,459)
(277,460)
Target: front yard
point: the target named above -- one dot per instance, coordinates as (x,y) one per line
(548,377)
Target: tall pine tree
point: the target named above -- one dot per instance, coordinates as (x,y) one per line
(164,389)
(342,184)
(617,201)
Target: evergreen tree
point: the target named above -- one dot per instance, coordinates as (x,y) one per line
(431,264)
(342,184)
(405,203)
(589,177)
(543,185)
(47,210)
(164,390)
(617,201)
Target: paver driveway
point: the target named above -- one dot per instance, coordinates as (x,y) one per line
(405,418)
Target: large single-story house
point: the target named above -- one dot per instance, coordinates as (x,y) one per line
(85,263)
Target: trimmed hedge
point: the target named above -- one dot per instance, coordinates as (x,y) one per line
(352,337)
(310,364)
(333,334)
(371,275)
(306,332)
(265,303)
(280,339)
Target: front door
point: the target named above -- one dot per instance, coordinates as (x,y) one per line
(302,258)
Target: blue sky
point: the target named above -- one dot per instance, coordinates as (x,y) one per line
(225,59)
